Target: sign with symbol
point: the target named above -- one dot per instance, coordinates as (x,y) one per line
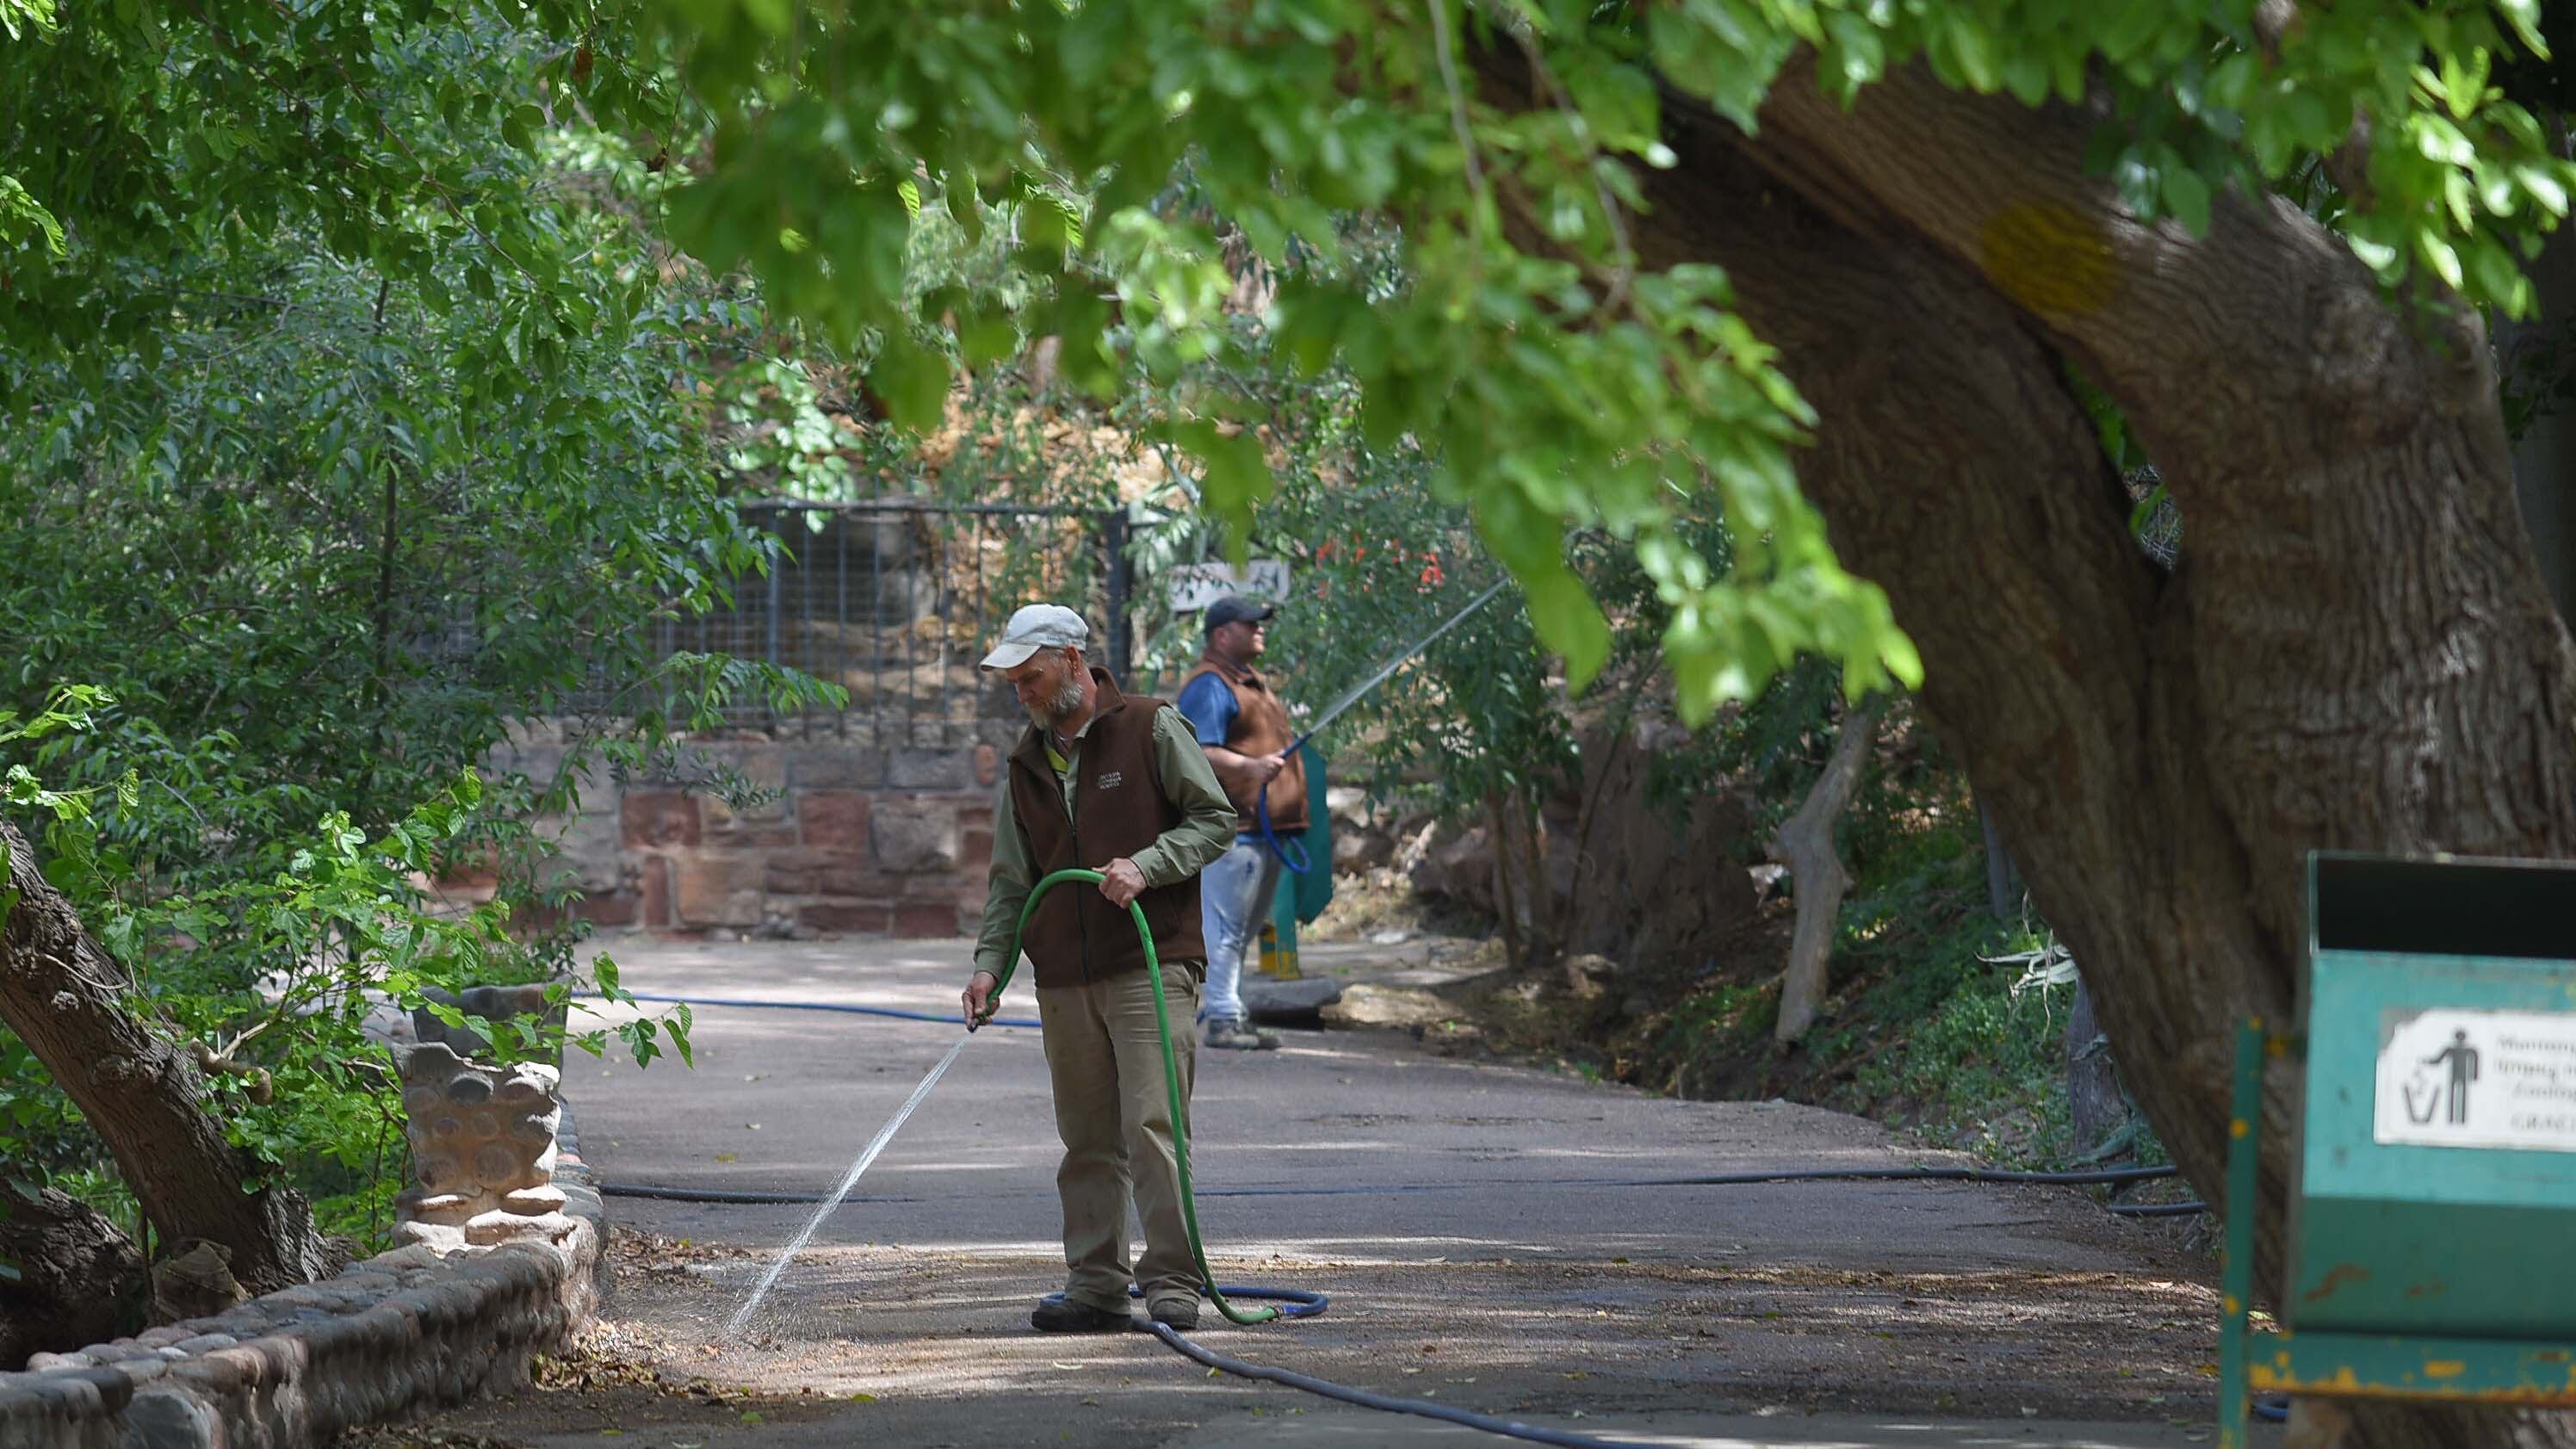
(2451,1078)
(1195,586)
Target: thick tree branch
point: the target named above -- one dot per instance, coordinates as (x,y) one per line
(1956,468)
(2337,458)
(67,999)
(1806,842)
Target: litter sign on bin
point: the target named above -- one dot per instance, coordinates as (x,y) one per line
(2457,1078)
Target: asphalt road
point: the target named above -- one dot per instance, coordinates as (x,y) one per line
(1470,1221)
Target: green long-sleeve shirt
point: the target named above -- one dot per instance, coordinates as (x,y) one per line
(1206,831)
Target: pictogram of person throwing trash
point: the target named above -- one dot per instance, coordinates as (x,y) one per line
(2463,1060)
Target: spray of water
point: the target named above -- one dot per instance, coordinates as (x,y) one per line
(876,1145)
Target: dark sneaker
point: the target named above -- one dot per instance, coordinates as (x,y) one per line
(1064,1315)
(1241,1036)
(1175,1312)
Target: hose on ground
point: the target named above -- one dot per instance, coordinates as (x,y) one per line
(898,1013)
(1448,1413)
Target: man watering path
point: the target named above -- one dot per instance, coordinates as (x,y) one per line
(1116,785)
(1245,730)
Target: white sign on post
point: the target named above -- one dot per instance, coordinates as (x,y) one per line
(2450,1078)
(1195,586)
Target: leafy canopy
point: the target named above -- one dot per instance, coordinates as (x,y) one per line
(349,426)
(1553,380)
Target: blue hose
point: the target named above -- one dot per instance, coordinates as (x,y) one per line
(898,1013)
(1291,853)
(1383,1403)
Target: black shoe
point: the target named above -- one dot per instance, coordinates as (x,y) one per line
(1175,1312)
(1057,1314)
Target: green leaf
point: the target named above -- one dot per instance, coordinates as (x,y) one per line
(21,213)
(2524,16)
(2440,256)
(914,383)
(958,192)
(1235,478)
(1975,49)
(2544,187)
(2186,194)
(1569,622)
(988,337)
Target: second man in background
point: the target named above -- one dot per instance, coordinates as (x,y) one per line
(1244,728)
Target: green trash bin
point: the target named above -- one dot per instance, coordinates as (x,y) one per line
(1301,898)
(2432,1245)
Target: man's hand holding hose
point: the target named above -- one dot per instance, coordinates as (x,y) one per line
(978,997)
(1120,880)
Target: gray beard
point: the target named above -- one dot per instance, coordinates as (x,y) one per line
(1057,710)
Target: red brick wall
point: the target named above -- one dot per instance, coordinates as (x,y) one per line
(856,841)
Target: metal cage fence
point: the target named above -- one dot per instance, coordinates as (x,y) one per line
(896,602)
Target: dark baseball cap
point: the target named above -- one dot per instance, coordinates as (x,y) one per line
(1233,609)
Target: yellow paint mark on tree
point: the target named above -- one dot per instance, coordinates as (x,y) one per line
(2444,1368)
(2238,1128)
(2049,257)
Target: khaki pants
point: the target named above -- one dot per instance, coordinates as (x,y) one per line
(1114,1114)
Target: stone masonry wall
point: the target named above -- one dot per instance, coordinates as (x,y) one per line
(395,1335)
(859,840)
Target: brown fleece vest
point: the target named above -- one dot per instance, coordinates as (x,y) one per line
(1076,936)
(1260,728)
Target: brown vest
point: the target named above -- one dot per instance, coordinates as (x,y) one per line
(1260,728)
(1120,808)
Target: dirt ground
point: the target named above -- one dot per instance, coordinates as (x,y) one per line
(841,1355)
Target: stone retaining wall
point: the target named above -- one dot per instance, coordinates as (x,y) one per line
(399,1334)
(859,839)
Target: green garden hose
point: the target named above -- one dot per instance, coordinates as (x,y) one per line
(1171,1073)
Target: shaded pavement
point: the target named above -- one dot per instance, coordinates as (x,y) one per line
(1466,1218)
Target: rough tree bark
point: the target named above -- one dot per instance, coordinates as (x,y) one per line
(66,998)
(1806,845)
(2097,1111)
(78,1276)
(2357,650)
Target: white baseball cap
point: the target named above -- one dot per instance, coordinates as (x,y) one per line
(1039,626)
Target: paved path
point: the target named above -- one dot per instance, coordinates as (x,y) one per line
(1463,1217)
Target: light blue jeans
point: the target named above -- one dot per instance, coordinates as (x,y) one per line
(1234,899)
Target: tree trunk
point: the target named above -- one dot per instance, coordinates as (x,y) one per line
(67,998)
(2097,1111)
(1504,906)
(1806,845)
(1546,945)
(2356,652)
(2003,886)
(77,1277)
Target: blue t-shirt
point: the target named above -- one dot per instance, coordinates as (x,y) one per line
(1208,704)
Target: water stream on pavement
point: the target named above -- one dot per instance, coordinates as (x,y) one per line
(876,1145)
